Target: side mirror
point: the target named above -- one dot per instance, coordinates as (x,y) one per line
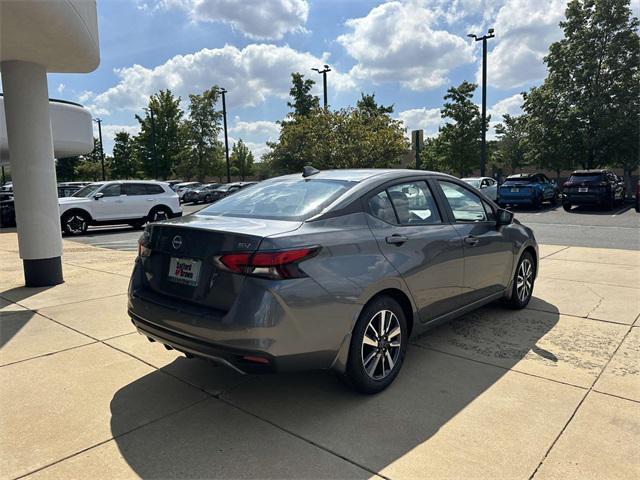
(98,196)
(484,185)
(505,217)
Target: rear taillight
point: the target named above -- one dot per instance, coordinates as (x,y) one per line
(278,264)
(143,245)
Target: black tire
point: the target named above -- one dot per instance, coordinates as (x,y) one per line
(637,204)
(207,199)
(554,200)
(567,207)
(521,291)
(75,223)
(609,203)
(376,353)
(159,213)
(537,203)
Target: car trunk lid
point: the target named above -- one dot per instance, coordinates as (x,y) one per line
(182,259)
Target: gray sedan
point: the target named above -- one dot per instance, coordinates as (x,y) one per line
(332,270)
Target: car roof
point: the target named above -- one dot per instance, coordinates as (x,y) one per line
(476,178)
(522,175)
(360,174)
(587,172)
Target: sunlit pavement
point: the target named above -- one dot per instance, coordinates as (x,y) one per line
(552,391)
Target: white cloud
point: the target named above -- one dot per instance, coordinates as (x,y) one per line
(427,119)
(61,88)
(524,31)
(399,42)
(511,105)
(251,75)
(262,128)
(258,19)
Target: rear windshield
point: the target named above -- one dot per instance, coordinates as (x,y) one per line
(590,177)
(291,199)
(518,181)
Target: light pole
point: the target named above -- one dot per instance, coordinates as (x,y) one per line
(99,122)
(324,81)
(483,150)
(223,91)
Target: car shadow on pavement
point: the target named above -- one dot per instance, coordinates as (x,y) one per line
(446,375)
(598,210)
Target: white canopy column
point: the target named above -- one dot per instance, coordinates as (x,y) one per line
(36,37)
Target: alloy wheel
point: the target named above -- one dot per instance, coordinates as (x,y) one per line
(524,280)
(381,344)
(159,215)
(75,224)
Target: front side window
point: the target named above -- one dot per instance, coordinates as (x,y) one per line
(111,190)
(466,206)
(414,203)
(87,191)
(290,199)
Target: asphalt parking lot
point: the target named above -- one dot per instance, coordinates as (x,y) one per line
(582,227)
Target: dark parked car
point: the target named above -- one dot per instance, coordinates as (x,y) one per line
(201,193)
(530,189)
(227,189)
(593,187)
(7,210)
(330,270)
(638,196)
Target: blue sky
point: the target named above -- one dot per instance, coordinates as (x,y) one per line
(407,52)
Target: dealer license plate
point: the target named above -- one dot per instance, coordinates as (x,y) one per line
(583,189)
(184,270)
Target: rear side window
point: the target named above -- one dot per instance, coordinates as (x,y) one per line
(380,206)
(466,206)
(288,199)
(153,189)
(134,189)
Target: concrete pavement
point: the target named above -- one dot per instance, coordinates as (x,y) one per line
(552,391)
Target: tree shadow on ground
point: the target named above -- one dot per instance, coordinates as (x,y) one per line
(446,370)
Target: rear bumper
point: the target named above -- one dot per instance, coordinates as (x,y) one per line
(266,321)
(515,200)
(583,199)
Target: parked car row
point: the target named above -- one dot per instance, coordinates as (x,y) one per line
(597,187)
(212,192)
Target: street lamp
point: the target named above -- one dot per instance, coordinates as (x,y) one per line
(483,151)
(226,139)
(99,122)
(324,81)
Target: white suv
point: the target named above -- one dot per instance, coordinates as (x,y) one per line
(133,202)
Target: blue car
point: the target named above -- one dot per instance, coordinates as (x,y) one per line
(530,189)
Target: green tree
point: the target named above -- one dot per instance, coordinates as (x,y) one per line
(510,148)
(202,155)
(66,168)
(159,143)
(594,75)
(303,102)
(368,105)
(241,160)
(125,161)
(457,147)
(89,166)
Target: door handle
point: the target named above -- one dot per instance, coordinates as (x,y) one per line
(396,239)
(471,241)
(149,199)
